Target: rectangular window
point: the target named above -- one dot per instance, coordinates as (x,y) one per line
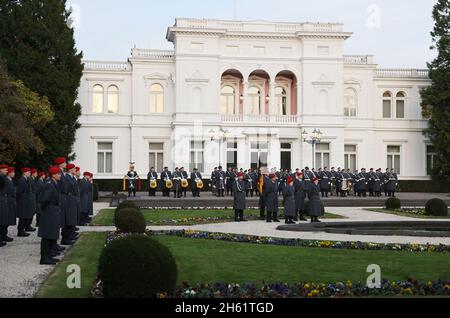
(259,50)
(393,158)
(197,156)
(286,156)
(156,156)
(350,157)
(232,154)
(386,109)
(400,109)
(104,157)
(431,154)
(232,49)
(322,155)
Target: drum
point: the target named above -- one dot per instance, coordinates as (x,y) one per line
(344,185)
(153,184)
(169,184)
(184,183)
(199,184)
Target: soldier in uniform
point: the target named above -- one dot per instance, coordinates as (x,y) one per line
(50,218)
(132,178)
(213,181)
(271,198)
(4,205)
(254,178)
(315,208)
(239,192)
(228,182)
(308,177)
(220,177)
(70,234)
(176,183)
(40,182)
(165,176)
(290,212)
(195,176)
(391,185)
(152,176)
(12,204)
(26,203)
(299,185)
(248,183)
(184,176)
(324,182)
(377,179)
(84,197)
(370,182)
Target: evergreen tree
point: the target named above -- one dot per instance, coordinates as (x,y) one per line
(39,48)
(436,98)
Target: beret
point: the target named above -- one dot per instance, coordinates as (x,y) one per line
(54,170)
(60,160)
(10,170)
(23,170)
(70,166)
(3,166)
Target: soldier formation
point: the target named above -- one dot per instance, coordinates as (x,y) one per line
(60,199)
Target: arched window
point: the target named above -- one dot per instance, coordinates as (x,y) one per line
(387,105)
(350,102)
(400,105)
(281,100)
(156,99)
(254,99)
(97,99)
(228,100)
(113,99)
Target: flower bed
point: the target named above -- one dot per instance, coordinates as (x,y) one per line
(408,288)
(294,242)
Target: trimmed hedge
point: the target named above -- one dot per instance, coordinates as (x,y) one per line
(137,267)
(436,207)
(124,205)
(393,204)
(130,220)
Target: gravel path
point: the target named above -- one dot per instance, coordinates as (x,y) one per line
(21,275)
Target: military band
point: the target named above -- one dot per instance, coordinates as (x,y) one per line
(60,200)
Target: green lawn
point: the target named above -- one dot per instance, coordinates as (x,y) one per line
(411,215)
(209,261)
(184,217)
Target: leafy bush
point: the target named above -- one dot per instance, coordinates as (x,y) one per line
(124,205)
(436,207)
(322,208)
(393,204)
(137,267)
(130,220)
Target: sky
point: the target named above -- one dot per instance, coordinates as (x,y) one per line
(396,32)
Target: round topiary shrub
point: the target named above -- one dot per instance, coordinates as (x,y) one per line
(137,266)
(322,208)
(130,221)
(124,205)
(436,207)
(393,204)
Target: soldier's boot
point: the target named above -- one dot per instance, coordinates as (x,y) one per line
(262,216)
(302,216)
(236,216)
(241,216)
(275,218)
(269,217)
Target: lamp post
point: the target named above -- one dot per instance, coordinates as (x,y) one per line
(219,134)
(313,140)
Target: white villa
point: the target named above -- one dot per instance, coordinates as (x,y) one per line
(236,93)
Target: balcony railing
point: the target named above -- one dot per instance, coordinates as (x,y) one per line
(153,54)
(358,59)
(268,119)
(401,73)
(106,66)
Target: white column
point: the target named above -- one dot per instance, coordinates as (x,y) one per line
(245,101)
(272,106)
(274,152)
